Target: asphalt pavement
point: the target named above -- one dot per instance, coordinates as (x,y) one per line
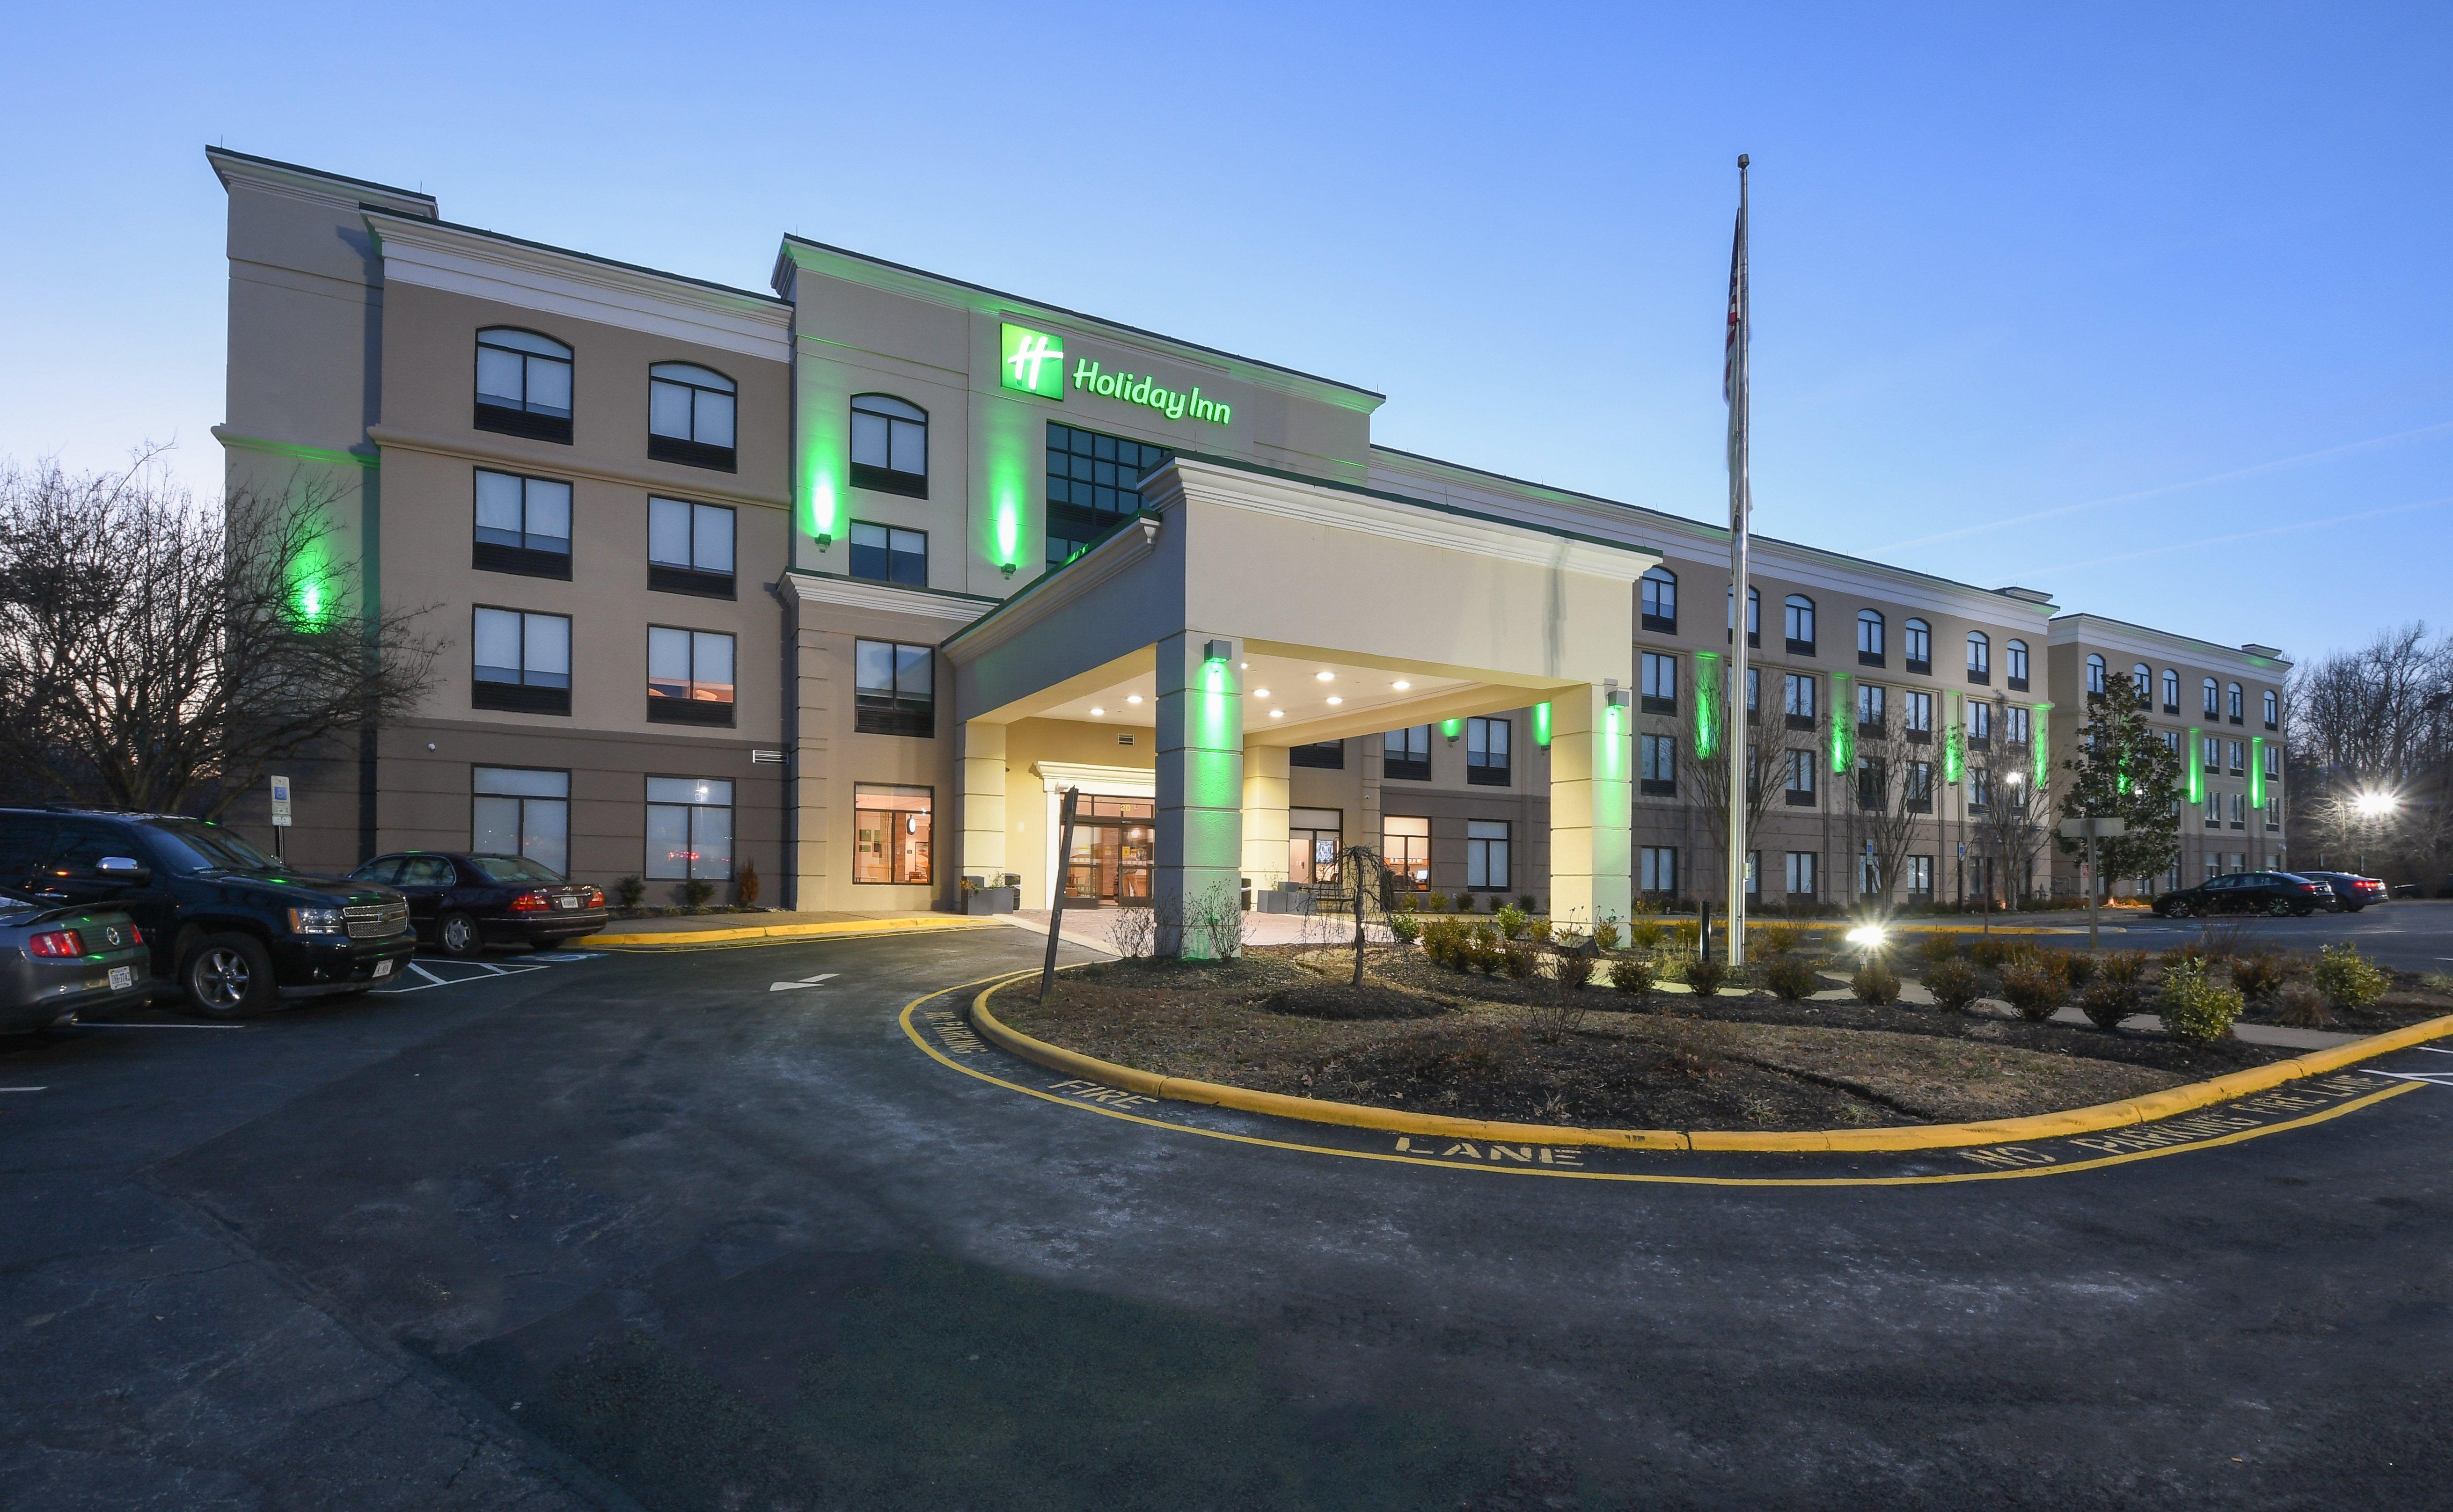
(714,1231)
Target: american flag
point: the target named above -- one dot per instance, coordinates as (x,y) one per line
(1733,366)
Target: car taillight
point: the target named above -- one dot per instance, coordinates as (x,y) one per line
(530,902)
(135,936)
(2314,886)
(55,944)
(596,897)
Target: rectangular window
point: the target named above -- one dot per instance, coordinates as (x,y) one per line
(1660,684)
(1801,873)
(1872,785)
(2212,754)
(523,526)
(2233,750)
(521,811)
(1754,692)
(1315,837)
(2238,814)
(690,828)
(1916,711)
(522,662)
(1486,854)
(1979,787)
(1797,698)
(1093,484)
(889,445)
(1328,755)
(1659,764)
(689,547)
(893,688)
(1980,724)
(889,554)
(2214,810)
(1660,601)
(1799,790)
(2017,666)
(689,676)
(1869,707)
(2273,761)
(1486,752)
(689,415)
(1406,851)
(1754,873)
(891,828)
(2017,734)
(1920,790)
(1920,876)
(1405,754)
(1658,869)
(523,385)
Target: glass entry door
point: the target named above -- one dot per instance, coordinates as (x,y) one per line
(1115,843)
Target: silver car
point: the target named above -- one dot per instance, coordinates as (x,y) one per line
(57,962)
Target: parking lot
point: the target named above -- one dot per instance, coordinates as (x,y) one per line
(710,1230)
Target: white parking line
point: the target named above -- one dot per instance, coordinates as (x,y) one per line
(23,1088)
(88,1023)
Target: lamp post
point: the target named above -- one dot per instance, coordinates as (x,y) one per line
(2092,829)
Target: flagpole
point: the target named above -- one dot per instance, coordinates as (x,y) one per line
(1740,519)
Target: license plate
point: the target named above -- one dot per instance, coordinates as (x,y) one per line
(567,903)
(382,968)
(122,978)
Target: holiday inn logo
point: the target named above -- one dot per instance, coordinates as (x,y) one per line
(1034,361)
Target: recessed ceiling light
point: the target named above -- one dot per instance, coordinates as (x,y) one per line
(1401,685)
(1242,666)
(1277,713)
(1132,698)
(1096,712)
(1325,677)
(1260,692)
(1334,699)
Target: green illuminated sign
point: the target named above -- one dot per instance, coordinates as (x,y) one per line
(1174,404)
(1033,362)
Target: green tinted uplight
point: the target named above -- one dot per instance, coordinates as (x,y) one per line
(1843,725)
(1541,725)
(2257,772)
(1452,727)
(2196,766)
(2040,744)
(1707,704)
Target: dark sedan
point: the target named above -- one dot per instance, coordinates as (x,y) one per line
(57,962)
(465,903)
(2274,892)
(2352,892)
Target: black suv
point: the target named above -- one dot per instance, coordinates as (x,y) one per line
(235,929)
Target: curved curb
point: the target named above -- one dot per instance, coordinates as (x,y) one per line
(2123,1114)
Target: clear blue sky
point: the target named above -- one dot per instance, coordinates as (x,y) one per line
(2145,305)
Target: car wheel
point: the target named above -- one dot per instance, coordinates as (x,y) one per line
(2175,910)
(229,976)
(458,934)
(2277,907)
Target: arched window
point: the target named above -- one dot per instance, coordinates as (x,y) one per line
(2213,699)
(2142,677)
(1869,637)
(2171,692)
(2233,706)
(523,385)
(1754,614)
(689,415)
(2015,654)
(1798,625)
(1917,648)
(889,445)
(1660,591)
(2095,674)
(2273,710)
(1979,657)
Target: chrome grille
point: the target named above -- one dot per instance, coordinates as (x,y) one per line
(372,920)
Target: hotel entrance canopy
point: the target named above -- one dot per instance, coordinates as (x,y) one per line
(1247,611)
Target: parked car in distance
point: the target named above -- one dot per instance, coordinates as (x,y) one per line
(57,962)
(463,901)
(2352,891)
(234,930)
(2275,892)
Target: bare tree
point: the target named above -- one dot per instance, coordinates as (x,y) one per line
(1894,788)
(2014,822)
(1704,777)
(154,655)
(2376,721)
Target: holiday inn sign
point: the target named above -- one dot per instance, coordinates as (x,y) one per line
(1034,363)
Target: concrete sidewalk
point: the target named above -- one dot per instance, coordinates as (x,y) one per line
(1090,928)
(689,931)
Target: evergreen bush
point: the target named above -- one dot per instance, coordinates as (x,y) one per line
(1876,985)
(1954,985)
(2349,981)
(2193,1007)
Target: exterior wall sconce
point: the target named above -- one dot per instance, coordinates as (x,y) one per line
(1214,650)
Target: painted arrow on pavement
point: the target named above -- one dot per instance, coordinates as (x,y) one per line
(805,982)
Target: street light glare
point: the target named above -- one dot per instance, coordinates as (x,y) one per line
(2373,805)
(1866,937)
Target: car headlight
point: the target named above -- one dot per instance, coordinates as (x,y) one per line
(316,921)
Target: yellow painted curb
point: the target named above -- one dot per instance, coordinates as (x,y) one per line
(2103,1116)
(836,930)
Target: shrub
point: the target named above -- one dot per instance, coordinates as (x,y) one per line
(696,891)
(2304,1006)
(1497,903)
(1954,985)
(1575,969)
(1939,947)
(1484,951)
(2107,1003)
(1511,921)
(1876,985)
(2034,986)
(1520,959)
(2349,981)
(1541,931)
(2257,976)
(628,890)
(1644,934)
(1780,939)
(2183,953)
(1525,901)
(2078,968)
(1991,953)
(2193,1007)
(1405,927)
(1790,978)
(744,888)
(1706,977)
(1605,935)
(2126,966)
(1631,974)
(1133,932)
(1464,902)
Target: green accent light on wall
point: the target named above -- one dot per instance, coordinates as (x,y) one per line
(1613,767)
(1452,727)
(310,591)
(1009,450)
(1212,779)
(1541,725)
(2040,736)
(2257,772)
(2196,766)
(1843,725)
(1954,743)
(1032,360)
(1707,704)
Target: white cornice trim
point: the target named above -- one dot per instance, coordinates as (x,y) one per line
(315,188)
(573,465)
(1059,590)
(2095,630)
(483,267)
(883,598)
(1319,504)
(1106,782)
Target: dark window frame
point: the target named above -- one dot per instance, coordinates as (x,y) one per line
(1408,768)
(1658,702)
(663,709)
(930,880)
(694,580)
(1488,773)
(1791,608)
(2014,667)
(853,537)
(1980,658)
(528,419)
(1326,755)
(689,451)
(899,714)
(1083,508)
(1878,654)
(521,697)
(523,560)
(1915,632)
(1655,591)
(888,479)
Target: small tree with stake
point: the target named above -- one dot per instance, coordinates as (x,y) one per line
(1363,878)
(2124,770)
